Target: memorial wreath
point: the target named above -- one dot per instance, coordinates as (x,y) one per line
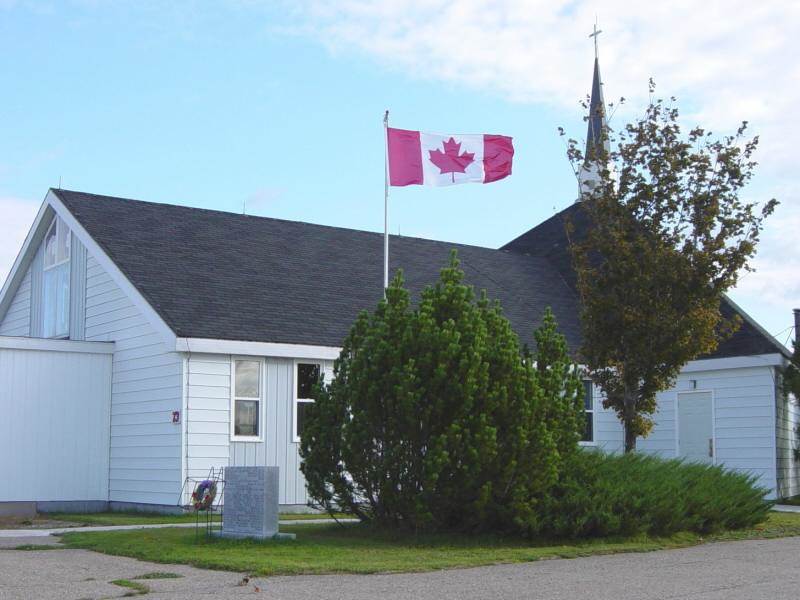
(204,494)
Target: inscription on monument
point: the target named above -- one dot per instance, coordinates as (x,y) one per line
(251,502)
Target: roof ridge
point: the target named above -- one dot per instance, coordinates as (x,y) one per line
(509,246)
(57,191)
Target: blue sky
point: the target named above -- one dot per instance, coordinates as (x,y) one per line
(280,105)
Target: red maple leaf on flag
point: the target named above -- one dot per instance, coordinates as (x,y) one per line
(450,161)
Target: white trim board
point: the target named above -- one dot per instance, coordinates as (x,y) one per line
(112,269)
(243,348)
(24,258)
(262,400)
(734,362)
(55,345)
(786,352)
(596,407)
(295,400)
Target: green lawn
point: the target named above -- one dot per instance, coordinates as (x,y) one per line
(357,549)
(143,518)
(793,501)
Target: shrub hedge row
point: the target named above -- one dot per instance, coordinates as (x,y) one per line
(602,495)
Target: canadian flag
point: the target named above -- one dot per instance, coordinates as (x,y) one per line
(418,158)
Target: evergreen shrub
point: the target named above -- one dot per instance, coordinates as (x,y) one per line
(438,420)
(602,494)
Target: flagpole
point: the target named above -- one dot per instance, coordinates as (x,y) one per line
(386,203)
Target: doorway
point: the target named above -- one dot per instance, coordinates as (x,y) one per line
(696,426)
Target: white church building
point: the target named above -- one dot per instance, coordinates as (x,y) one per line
(144,343)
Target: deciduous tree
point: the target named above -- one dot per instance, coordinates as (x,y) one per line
(667,235)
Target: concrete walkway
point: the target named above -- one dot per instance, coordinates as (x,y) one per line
(750,570)
(786,508)
(34,533)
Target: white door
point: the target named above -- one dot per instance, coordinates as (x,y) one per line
(696,426)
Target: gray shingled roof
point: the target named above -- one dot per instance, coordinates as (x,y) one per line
(212,274)
(548,240)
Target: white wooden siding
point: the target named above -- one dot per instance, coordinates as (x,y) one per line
(788,419)
(145,447)
(207,408)
(54,433)
(17,320)
(208,422)
(744,421)
(608,434)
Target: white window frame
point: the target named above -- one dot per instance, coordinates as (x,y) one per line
(593,411)
(57,224)
(259,399)
(295,399)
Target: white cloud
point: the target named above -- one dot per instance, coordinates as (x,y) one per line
(725,60)
(17,217)
(774,287)
(728,59)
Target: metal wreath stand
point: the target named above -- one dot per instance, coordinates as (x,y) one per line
(204,495)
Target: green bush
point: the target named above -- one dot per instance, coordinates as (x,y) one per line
(437,420)
(600,494)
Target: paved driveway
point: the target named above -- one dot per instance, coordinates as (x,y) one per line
(751,570)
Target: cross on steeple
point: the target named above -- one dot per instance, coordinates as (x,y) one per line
(597,143)
(594,35)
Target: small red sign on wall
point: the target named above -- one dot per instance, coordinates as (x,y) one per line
(176,416)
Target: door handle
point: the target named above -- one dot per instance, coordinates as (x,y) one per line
(711,447)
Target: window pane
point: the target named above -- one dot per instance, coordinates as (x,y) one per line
(63,238)
(307,376)
(49,303)
(62,300)
(587,394)
(303,410)
(246,420)
(248,375)
(50,246)
(588,431)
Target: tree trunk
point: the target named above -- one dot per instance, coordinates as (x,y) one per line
(629,417)
(630,438)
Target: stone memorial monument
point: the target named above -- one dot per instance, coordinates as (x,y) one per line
(251,503)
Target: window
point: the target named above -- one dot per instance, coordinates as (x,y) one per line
(246,399)
(588,410)
(305,376)
(55,282)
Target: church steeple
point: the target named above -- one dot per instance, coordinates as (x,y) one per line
(597,131)
(597,143)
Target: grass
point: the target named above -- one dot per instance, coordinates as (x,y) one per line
(136,588)
(125,518)
(357,549)
(307,516)
(159,575)
(793,501)
(144,518)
